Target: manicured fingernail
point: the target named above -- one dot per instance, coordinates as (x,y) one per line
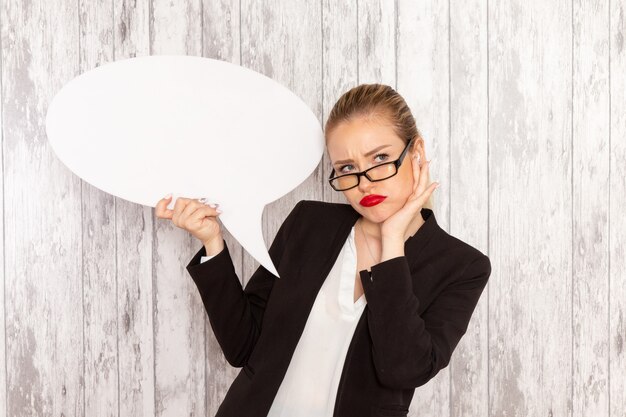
(168,196)
(218,210)
(212,205)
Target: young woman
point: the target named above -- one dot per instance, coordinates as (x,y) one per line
(373,297)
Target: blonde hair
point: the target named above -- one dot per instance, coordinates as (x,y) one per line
(381,103)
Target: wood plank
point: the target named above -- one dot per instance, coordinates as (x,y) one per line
(530,211)
(43,244)
(590,291)
(469,193)
(617,202)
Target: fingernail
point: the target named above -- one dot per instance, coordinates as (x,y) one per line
(211,205)
(218,210)
(168,196)
(202,200)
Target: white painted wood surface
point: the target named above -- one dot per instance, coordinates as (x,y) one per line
(522,106)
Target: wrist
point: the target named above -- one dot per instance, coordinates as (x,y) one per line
(214,245)
(392,246)
(391,239)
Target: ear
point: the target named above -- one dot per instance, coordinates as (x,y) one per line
(418,149)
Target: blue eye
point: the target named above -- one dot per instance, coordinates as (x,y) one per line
(375,156)
(382,154)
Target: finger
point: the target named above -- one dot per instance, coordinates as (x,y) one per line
(179,206)
(416,171)
(427,193)
(424,195)
(161,209)
(198,211)
(421,186)
(205,211)
(192,205)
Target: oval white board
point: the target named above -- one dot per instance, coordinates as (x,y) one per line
(142,127)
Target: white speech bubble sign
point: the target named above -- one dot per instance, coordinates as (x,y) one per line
(142,127)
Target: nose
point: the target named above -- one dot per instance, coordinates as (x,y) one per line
(365,184)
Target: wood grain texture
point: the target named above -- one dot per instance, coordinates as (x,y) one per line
(43,247)
(468,191)
(617,202)
(530,208)
(590,208)
(522,108)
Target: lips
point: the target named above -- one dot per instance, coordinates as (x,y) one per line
(372,200)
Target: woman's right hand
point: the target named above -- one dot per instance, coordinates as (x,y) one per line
(196,217)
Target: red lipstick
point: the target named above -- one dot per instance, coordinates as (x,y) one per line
(372,200)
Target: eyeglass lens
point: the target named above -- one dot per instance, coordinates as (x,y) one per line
(377,173)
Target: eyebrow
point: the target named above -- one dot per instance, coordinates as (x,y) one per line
(367,154)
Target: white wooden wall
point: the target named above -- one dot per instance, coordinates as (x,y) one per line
(522,104)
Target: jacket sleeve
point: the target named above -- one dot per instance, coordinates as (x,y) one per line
(235,314)
(408,349)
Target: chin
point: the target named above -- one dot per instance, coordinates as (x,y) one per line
(370,215)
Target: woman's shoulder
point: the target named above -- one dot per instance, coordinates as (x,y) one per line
(316,208)
(324,205)
(457,244)
(452,249)
(433,245)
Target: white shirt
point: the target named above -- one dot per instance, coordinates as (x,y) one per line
(309,388)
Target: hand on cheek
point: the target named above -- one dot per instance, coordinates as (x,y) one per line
(397,225)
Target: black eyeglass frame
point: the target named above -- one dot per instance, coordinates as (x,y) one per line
(397,163)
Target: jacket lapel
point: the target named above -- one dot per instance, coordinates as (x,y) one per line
(317,269)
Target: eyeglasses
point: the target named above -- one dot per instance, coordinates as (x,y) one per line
(377,173)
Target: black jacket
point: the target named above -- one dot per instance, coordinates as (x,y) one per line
(418,307)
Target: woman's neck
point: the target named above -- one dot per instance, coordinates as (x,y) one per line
(371,229)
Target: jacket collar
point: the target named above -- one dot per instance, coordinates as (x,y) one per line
(413,245)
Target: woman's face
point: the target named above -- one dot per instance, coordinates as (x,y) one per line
(362,143)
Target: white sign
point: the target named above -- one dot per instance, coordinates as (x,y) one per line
(142,127)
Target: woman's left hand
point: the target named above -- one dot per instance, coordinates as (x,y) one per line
(398,224)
